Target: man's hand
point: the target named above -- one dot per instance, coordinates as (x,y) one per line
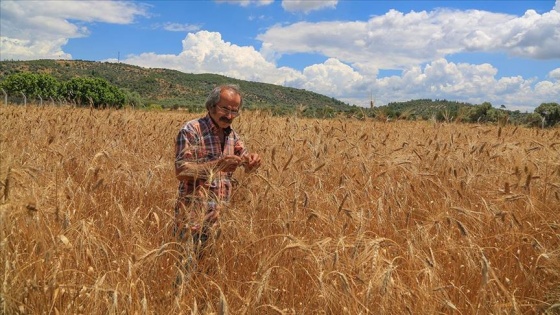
(229,163)
(251,162)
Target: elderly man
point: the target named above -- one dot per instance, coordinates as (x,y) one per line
(207,152)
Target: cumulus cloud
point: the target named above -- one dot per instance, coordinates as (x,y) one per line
(39,29)
(27,50)
(330,78)
(404,41)
(465,82)
(397,40)
(307,6)
(532,35)
(207,52)
(555,74)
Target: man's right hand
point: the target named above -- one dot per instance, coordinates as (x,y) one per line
(229,163)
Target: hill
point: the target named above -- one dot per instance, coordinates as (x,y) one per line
(156,87)
(171,88)
(445,110)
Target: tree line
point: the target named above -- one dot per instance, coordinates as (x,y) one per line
(90,91)
(98,92)
(545,115)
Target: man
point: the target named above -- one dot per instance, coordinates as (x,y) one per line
(207,152)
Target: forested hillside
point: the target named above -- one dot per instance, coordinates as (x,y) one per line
(128,85)
(171,88)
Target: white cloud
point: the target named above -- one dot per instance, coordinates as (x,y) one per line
(532,35)
(257,17)
(207,52)
(330,78)
(39,29)
(307,6)
(245,3)
(177,27)
(555,74)
(27,50)
(464,82)
(397,41)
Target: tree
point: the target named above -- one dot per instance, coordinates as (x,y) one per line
(133,99)
(96,92)
(479,112)
(20,83)
(33,85)
(533,120)
(550,112)
(496,115)
(47,86)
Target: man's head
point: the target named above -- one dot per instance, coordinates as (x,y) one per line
(224,103)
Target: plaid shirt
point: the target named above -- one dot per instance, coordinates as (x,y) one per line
(198,141)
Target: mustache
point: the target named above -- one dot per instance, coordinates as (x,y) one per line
(225,119)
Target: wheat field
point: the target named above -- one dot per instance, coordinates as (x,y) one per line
(345,216)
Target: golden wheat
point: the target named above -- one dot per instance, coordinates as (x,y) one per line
(344,217)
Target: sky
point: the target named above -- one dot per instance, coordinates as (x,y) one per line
(503,52)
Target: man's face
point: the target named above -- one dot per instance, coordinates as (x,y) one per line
(227,109)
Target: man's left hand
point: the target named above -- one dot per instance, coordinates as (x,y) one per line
(251,162)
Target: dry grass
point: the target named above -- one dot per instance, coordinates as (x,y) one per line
(344,217)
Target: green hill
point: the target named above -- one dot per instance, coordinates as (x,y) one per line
(155,87)
(444,110)
(171,88)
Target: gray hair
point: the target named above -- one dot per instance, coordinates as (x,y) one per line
(214,97)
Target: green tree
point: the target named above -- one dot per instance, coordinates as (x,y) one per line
(23,82)
(533,120)
(550,112)
(33,85)
(479,113)
(96,92)
(47,86)
(133,99)
(496,115)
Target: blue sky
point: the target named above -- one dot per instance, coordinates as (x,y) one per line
(503,52)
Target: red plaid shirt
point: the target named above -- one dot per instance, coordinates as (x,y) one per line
(198,141)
